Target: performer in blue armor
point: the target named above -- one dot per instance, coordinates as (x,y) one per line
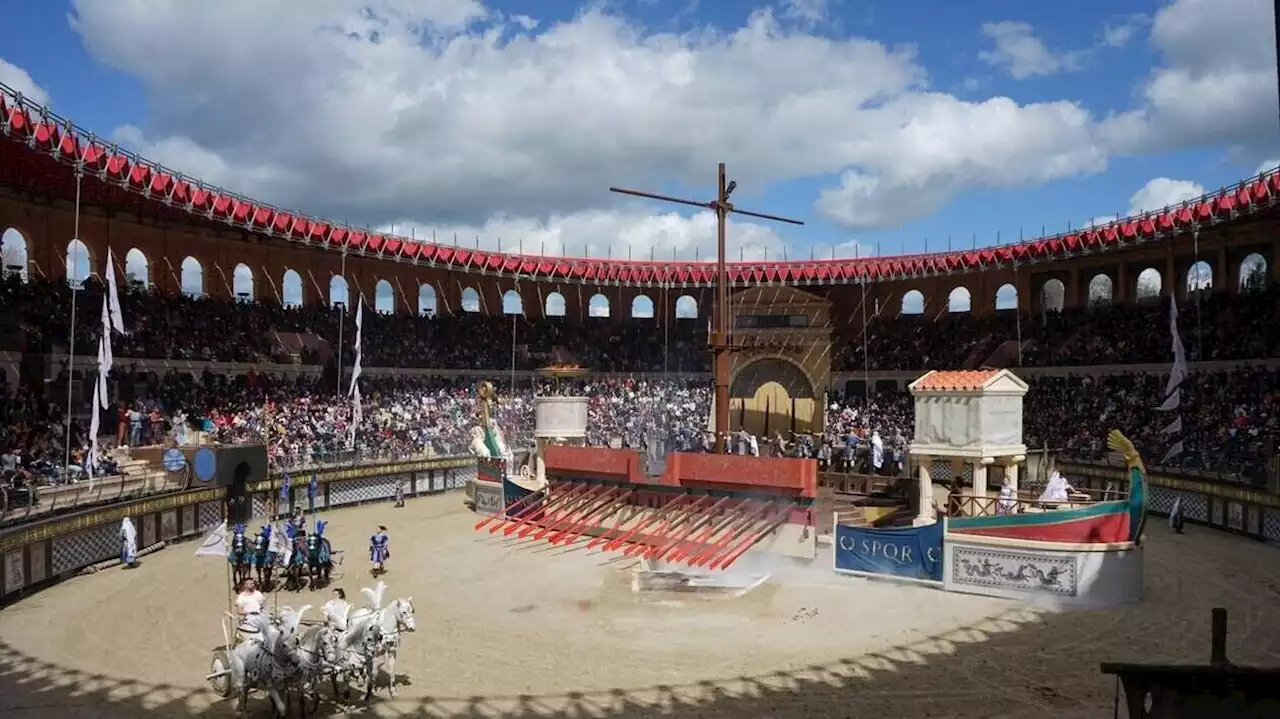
(240,557)
(379,551)
(264,557)
(319,554)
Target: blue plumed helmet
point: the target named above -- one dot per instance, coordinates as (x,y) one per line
(266,532)
(320,525)
(238,530)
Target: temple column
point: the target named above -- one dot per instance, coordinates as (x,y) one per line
(980,478)
(1011,474)
(924,509)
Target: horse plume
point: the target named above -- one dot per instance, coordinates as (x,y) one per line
(375,595)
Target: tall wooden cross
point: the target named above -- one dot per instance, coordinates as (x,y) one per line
(720,340)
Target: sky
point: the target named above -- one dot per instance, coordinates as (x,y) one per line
(887,127)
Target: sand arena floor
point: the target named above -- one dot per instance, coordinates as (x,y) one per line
(528,631)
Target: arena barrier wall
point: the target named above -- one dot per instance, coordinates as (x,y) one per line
(1059,576)
(41,553)
(1213,503)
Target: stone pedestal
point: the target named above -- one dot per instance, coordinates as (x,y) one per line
(560,418)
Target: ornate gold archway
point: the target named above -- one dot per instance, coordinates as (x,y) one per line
(773,394)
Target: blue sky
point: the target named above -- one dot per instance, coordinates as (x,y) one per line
(1103,71)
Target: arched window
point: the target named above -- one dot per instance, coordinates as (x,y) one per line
(1253,273)
(642,307)
(555,305)
(339,292)
(959,300)
(1199,277)
(913,303)
(242,283)
(512,303)
(1150,283)
(78,263)
(598,306)
(427,306)
(384,298)
(292,289)
(470,300)
(686,308)
(137,269)
(192,277)
(1101,291)
(1007,297)
(13,253)
(1053,296)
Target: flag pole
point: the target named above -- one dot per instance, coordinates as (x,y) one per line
(71,342)
(342,319)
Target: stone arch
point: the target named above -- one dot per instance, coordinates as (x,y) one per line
(1007,297)
(384,298)
(598,306)
(428,302)
(960,300)
(137,268)
(512,303)
(1253,273)
(554,305)
(339,292)
(642,307)
(1199,277)
(291,287)
(912,303)
(470,300)
(192,277)
(772,394)
(15,255)
(242,283)
(1149,285)
(1053,296)
(686,308)
(78,262)
(1101,290)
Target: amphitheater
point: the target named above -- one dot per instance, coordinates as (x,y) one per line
(507,629)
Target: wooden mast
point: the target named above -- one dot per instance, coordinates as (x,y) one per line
(720,341)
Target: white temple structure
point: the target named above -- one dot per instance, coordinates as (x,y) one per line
(967,417)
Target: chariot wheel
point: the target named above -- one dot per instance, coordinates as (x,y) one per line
(221,667)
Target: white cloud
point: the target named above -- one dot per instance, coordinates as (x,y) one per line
(1268,166)
(1022,54)
(810,12)
(1163,192)
(633,232)
(18,79)
(373,116)
(1118,33)
(1216,86)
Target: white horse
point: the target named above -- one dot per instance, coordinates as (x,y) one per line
(370,636)
(261,662)
(314,654)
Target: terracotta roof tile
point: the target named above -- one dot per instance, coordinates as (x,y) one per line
(955,380)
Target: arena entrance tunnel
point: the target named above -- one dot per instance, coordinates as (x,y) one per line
(772,395)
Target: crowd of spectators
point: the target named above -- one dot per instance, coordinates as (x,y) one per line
(1229,417)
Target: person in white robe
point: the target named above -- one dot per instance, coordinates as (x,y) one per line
(1057,491)
(877,453)
(128,543)
(1006,503)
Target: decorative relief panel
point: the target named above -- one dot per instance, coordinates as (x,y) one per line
(488,497)
(15,577)
(36,558)
(168,524)
(148,531)
(1253,520)
(1014,570)
(1218,519)
(1235,516)
(189,519)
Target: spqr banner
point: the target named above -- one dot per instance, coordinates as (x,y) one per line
(909,552)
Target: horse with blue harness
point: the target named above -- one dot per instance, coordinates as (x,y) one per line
(264,558)
(319,555)
(240,556)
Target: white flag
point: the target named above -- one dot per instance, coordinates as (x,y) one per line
(104,368)
(1174,427)
(1178,372)
(357,367)
(1171,402)
(95,425)
(215,543)
(113,296)
(1174,450)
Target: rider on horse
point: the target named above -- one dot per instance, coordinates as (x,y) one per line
(319,552)
(264,557)
(239,556)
